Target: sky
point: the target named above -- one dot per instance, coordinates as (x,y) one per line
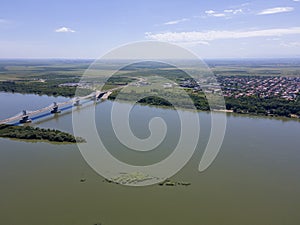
(90,28)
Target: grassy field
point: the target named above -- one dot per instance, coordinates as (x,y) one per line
(51,69)
(247,71)
(256,67)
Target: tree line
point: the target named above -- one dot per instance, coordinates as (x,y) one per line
(36,133)
(244,105)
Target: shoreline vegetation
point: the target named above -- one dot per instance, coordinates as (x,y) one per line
(40,88)
(37,134)
(65,80)
(272,107)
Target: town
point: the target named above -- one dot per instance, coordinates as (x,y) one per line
(245,86)
(263,87)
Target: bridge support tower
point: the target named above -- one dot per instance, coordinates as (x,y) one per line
(25,118)
(55,108)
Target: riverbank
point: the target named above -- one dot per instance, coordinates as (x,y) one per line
(201,104)
(252,105)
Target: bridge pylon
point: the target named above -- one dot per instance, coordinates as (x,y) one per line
(55,108)
(77,102)
(25,118)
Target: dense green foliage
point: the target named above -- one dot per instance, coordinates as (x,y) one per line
(51,87)
(263,106)
(41,88)
(247,105)
(35,133)
(161,98)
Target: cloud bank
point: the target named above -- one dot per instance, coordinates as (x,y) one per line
(214,13)
(195,36)
(275,10)
(224,13)
(64,30)
(173,22)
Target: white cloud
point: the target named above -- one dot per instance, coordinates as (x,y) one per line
(296,0)
(274,39)
(64,30)
(225,13)
(192,44)
(218,14)
(291,44)
(173,22)
(275,10)
(210,12)
(214,13)
(194,36)
(237,11)
(233,11)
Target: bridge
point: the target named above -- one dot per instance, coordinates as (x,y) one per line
(24,117)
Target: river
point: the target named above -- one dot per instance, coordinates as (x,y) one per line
(254,179)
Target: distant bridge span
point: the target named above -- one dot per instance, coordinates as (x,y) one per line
(75,101)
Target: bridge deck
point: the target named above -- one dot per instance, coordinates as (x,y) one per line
(72,101)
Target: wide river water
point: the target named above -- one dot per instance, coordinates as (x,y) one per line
(253,181)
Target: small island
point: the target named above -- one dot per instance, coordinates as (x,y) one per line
(135,178)
(36,133)
(169,182)
(131,178)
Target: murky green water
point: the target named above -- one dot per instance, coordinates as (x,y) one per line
(254,180)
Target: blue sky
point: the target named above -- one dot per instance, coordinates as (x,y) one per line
(90,28)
